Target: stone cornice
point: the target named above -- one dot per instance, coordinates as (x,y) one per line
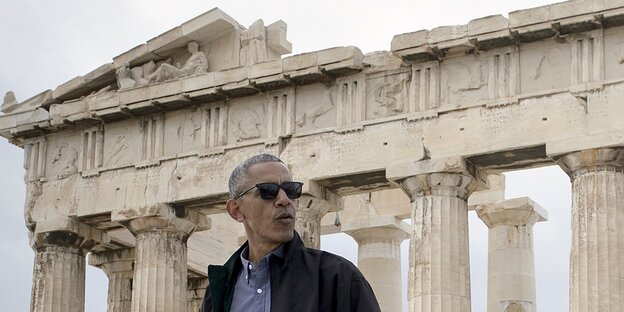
(550,21)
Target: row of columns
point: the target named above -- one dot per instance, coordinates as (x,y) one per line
(152,277)
(439,269)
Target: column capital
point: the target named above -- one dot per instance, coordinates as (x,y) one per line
(162,217)
(445,184)
(113,261)
(394,233)
(517,212)
(309,213)
(69,233)
(592,160)
(450,176)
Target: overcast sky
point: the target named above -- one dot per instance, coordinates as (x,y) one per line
(46,43)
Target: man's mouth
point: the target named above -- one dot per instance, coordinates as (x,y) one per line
(285,216)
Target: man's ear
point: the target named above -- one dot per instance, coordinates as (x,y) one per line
(234,210)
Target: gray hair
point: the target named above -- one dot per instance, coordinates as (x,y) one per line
(237,178)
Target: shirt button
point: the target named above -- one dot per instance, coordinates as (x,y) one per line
(259,290)
(250,267)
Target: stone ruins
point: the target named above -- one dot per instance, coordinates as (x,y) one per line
(129,162)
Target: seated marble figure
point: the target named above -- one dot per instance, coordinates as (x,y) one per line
(196,64)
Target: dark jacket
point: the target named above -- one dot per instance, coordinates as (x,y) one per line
(304,280)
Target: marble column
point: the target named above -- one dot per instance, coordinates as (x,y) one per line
(379,259)
(439,270)
(59,271)
(511,264)
(196,290)
(118,265)
(597,256)
(160,270)
(309,214)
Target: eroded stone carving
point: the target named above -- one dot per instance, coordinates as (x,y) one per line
(196,64)
(64,161)
(389,96)
(310,116)
(247,123)
(124,79)
(119,146)
(9,103)
(253,44)
(463,81)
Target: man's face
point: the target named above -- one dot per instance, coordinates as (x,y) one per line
(268,223)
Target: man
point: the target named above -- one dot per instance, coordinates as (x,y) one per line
(273,270)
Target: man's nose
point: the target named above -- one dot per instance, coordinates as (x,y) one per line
(282,200)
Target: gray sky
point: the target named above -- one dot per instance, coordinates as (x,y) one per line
(46,43)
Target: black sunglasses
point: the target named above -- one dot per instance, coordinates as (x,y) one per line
(269,190)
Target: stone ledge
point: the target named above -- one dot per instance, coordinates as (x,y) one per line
(496,31)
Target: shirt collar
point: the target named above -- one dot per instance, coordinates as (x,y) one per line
(279,252)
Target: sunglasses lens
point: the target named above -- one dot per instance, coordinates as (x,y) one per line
(292,189)
(268,190)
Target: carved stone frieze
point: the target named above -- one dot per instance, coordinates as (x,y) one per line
(314,111)
(545,66)
(247,119)
(386,95)
(463,80)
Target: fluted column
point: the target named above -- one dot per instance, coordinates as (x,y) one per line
(196,290)
(59,271)
(160,270)
(379,259)
(309,214)
(597,256)
(119,268)
(159,282)
(439,272)
(511,264)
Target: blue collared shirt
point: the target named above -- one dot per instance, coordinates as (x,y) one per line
(252,292)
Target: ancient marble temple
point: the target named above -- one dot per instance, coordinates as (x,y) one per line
(127,164)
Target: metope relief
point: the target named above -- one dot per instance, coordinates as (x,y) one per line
(121,144)
(386,96)
(247,119)
(463,81)
(315,107)
(545,66)
(63,161)
(613,53)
